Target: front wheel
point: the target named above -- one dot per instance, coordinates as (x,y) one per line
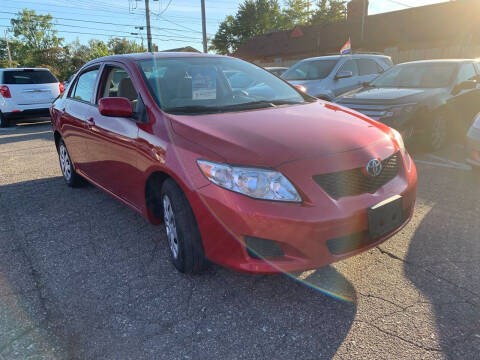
(438,133)
(69,174)
(182,232)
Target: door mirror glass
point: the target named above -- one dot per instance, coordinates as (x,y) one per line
(465,85)
(115,106)
(344,75)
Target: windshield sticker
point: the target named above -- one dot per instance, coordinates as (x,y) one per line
(204,84)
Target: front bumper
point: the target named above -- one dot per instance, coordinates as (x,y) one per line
(302,232)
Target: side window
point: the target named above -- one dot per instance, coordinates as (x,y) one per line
(116,82)
(85,85)
(367,67)
(349,66)
(467,72)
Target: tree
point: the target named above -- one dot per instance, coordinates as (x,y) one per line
(296,12)
(97,48)
(36,32)
(328,11)
(124,46)
(254,17)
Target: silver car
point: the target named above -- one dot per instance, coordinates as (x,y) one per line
(327,77)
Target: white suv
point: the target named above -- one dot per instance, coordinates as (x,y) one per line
(26,93)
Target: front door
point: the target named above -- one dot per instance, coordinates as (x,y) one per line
(112,149)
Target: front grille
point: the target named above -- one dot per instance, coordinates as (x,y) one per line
(375,112)
(356,181)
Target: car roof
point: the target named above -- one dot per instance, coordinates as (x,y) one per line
(440,61)
(336,57)
(153,55)
(23,68)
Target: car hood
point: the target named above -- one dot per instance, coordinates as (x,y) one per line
(269,137)
(387,95)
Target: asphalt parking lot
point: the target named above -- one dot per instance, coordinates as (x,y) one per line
(84,277)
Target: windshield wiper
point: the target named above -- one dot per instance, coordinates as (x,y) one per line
(192,109)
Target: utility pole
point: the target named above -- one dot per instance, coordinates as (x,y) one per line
(149,30)
(204,28)
(8,51)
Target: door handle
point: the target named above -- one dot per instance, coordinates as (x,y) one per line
(90,122)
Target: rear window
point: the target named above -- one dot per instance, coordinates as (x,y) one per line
(28,77)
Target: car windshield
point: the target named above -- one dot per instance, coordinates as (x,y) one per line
(194,85)
(310,70)
(420,75)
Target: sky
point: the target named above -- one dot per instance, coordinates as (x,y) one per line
(175,23)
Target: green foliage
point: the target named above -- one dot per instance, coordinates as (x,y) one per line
(329,12)
(256,17)
(36,44)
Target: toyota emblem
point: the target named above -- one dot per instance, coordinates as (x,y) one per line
(374,168)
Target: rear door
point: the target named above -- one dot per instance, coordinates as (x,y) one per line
(112,143)
(368,69)
(465,105)
(79,110)
(31,86)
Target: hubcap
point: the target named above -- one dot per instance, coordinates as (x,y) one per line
(170,225)
(65,163)
(438,133)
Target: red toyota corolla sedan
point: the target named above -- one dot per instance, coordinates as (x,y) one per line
(241,168)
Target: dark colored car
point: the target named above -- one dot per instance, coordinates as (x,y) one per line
(473,143)
(258,183)
(431,99)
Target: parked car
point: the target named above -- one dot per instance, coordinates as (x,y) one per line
(473,143)
(260,184)
(431,99)
(327,77)
(276,70)
(26,93)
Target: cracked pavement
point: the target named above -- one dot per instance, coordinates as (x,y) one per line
(84,277)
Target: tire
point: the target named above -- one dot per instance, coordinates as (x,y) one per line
(3,121)
(70,176)
(184,239)
(438,132)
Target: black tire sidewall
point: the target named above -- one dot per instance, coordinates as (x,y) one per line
(434,124)
(190,257)
(3,121)
(74,178)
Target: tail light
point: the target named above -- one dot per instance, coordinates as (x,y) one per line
(5,91)
(61,87)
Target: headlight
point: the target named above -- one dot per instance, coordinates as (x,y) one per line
(399,110)
(256,183)
(398,138)
(476,122)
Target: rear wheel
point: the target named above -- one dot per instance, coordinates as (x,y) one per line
(182,232)
(3,121)
(69,175)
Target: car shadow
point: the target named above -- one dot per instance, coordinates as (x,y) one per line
(26,132)
(443,260)
(105,282)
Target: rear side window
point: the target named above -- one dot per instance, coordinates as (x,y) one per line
(386,61)
(84,86)
(30,76)
(367,67)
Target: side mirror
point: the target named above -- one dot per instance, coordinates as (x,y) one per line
(466,85)
(115,106)
(343,75)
